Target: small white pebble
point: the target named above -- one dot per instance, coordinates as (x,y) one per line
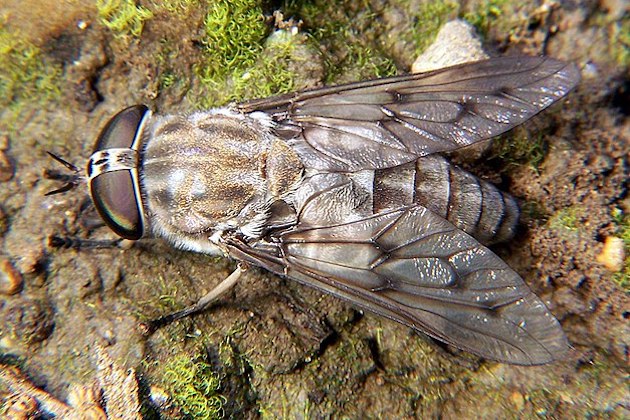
(613,254)
(590,71)
(456,43)
(159,397)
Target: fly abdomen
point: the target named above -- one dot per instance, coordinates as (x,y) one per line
(475,206)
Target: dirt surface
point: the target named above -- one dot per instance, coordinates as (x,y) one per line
(279,349)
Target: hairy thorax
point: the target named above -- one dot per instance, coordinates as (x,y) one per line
(214,171)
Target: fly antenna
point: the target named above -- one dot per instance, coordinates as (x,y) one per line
(64,162)
(71,180)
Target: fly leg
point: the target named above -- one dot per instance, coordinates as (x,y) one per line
(204,303)
(55,241)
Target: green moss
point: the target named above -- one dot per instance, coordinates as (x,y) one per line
(176,6)
(123,17)
(429,19)
(167,80)
(329,378)
(25,74)
(163,299)
(619,44)
(271,74)
(362,62)
(622,278)
(170,74)
(235,361)
(519,148)
(485,14)
(234,32)
(193,387)
(345,33)
(233,37)
(239,62)
(533,210)
(568,219)
(349,57)
(617,33)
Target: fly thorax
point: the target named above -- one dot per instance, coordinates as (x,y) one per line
(201,172)
(283,171)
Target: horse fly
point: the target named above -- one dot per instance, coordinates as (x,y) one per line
(344,189)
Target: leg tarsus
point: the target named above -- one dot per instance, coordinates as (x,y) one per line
(55,241)
(204,303)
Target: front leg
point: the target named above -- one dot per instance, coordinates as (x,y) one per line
(204,303)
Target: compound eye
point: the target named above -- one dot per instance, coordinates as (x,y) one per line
(114,196)
(120,131)
(113,173)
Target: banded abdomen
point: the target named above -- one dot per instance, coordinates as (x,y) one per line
(475,206)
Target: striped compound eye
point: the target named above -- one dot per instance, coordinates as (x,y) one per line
(112,172)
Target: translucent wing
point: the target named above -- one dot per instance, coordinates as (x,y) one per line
(386,122)
(416,268)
